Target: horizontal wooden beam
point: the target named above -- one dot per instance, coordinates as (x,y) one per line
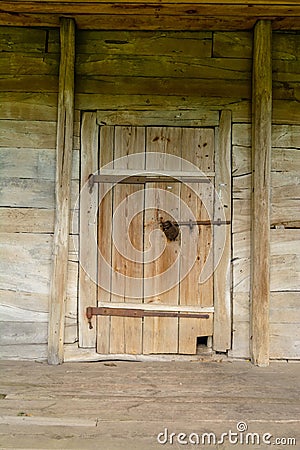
(161,9)
(168,2)
(134,15)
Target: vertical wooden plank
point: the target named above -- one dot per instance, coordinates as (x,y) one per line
(64,147)
(106,156)
(161,334)
(198,148)
(261,165)
(88,229)
(222,273)
(126,333)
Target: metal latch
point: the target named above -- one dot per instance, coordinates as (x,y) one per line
(139,313)
(171,228)
(192,223)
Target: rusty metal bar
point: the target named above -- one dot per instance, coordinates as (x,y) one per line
(191,223)
(139,313)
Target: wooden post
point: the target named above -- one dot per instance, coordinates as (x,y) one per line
(261,167)
(87,293)
(64,147)
(222,274)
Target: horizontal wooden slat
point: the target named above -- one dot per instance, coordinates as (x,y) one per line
(187,105)
(239,45)
(26,64)
(32,163)
(283,344)
(285,194)
(26,220)
(283,160)
(32,220)
(287,136)
(33,352)
(26,305)
(26,262)
(26,333)
(29,83)
(163,66)
(195,45)
(14,333)
(29,106)
(147,84)
(156,118)
(23,134)
(284,341)
(284,307)
(18,40)
(32,193)
(285,260)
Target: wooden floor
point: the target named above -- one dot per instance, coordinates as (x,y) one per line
(125,405)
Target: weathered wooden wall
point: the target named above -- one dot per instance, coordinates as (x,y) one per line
(28,114)
(285,215)
(177,75)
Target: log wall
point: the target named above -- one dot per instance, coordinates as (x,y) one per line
(179,75)
(28,114)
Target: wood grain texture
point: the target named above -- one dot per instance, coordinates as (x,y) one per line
(64,147)
(106,156)
(161,334)
(166,8)
(285,260)
(168,2)
(18,40)
(26,220)
(163,66)
(26,262)
(195,45)
(222,273)
(27,134)
(126,334)
(33,107)
(199,149)
(151,22)
(88,229)
(155,118)
(239,45)
(166,16)
(261,160)
(284,339)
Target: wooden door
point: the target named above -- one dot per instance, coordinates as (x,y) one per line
(146,268)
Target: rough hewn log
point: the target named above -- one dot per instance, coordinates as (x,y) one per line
(261,165)
(64,147)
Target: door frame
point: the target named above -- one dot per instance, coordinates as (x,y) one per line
(90,127)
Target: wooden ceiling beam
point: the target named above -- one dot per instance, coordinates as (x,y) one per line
(176,2)
(153,15)
(162,9)
(147,22)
